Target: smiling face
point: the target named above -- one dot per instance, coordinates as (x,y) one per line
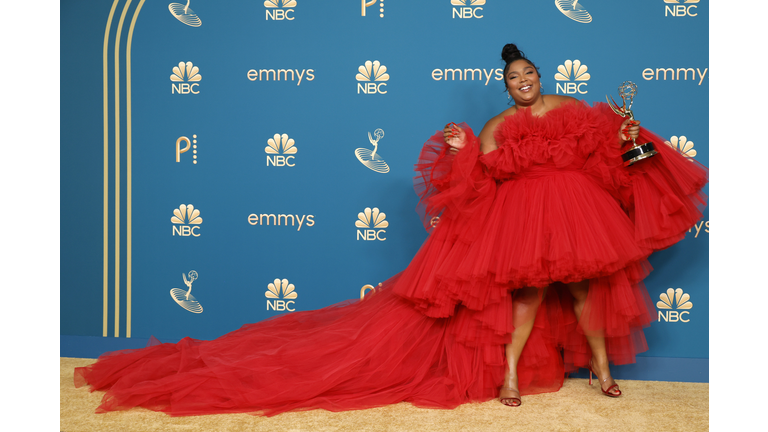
(522,80)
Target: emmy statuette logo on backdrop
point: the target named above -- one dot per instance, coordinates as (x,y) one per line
(278,10)
(680,8)
(467,8)
(366,4)
(573,10)
(184,14)
(372,159)
(575,76)
(185,79)
(282,150)
(185,299)
(674,305)
(279,291)
(369,74)
(182,140)
(371,224)
(186,221)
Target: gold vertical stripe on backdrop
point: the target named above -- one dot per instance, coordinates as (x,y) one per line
(105,261)
(129,167)
(117,167)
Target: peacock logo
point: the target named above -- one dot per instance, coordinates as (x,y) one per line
(186,72)
(674,305)
(184,14)
(185,299)
(682,145)
(575,74)
(573,10)
(467,8)
(372,71)
(279,10)
(183,218)
(279,291)
(372,77)
(280,150)
(371,224)
(680,8)
(277,3)
(185,78)
(372,159)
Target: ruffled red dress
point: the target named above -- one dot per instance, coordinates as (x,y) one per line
(552,205)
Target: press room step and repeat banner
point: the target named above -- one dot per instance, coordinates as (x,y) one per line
(223,162)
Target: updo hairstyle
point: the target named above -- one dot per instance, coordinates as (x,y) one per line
(510,53)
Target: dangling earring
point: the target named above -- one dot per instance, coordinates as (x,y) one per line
(509,96)
(541,88)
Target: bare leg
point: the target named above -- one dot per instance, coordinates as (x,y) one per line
(525,304)
(595,339)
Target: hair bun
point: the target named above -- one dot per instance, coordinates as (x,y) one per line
(510,53)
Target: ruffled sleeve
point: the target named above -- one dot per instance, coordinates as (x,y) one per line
(662,194)
(499,163)
(666,196)
(452,185)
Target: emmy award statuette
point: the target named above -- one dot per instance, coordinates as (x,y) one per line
(638,152)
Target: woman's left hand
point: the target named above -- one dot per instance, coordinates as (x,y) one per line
(628,130)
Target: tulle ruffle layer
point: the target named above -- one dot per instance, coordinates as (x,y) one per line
(353,355)
(552,205)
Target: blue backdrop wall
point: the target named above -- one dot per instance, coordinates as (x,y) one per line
(216,156)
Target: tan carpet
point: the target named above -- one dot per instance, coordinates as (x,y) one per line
(645,406)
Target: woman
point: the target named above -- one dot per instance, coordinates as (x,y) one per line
(533,268)
(521,79)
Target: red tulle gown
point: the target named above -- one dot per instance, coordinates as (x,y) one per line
(553,204)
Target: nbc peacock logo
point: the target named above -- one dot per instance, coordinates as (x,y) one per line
(279,10)
(680,8)
(467,8)
(683,145)
(372,77)
(280,150)
(185,79)
(184,14)
(674,305)
(185,299)
(280,295)
(365,4)
(371,224)
(186,221)
(572,77)
(573,10)
(372,159)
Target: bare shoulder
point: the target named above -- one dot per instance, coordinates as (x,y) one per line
(487,141)
(490,125)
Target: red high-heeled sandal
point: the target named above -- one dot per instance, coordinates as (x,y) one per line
(610,389)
